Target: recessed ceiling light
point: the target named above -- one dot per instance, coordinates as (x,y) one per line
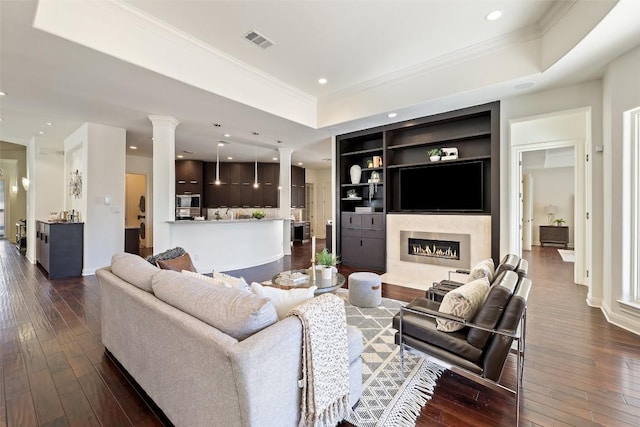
(49,123)
(392,115)
(133,147)
(299,163)
(493,15)
(226,135)
(256,133)
(229,158)
(274,158)
(2,94)
(41,132)
(322,81)
(179,156)
(221,144)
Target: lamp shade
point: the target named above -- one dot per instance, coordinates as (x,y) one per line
(25,183)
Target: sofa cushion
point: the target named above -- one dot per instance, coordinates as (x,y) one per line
(355,343)
(235,282)
(233,311)
(283,299)
(484,268)
(183,262)
(462,302)
(133,269)
(208,279)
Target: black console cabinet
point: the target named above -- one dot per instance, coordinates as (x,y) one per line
(59,248)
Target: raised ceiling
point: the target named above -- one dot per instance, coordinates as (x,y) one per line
(115,63)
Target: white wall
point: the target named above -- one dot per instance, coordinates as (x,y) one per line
(621,92)
(144,166)
(566,98)
(98,152)
(553,186)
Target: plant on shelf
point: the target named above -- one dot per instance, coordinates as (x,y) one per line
(434,154)
(258,214)
(558,222)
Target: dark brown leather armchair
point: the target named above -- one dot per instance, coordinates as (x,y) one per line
(479,350)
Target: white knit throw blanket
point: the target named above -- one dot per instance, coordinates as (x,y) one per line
(325,361)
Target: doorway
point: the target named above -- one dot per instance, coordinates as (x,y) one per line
(569,132)
(136,205)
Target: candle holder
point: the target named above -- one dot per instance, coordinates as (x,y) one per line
(313,271)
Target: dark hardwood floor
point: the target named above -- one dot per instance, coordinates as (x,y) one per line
(579,371)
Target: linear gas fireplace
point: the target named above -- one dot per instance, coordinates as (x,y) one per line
(446,249)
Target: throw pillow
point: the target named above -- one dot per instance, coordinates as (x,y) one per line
(235,282)
(462,302)
(237,313)
(168,254)
(183,262)
(208,279)
(283,299)
(484,268)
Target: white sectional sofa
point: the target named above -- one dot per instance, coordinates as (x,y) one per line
(244,371)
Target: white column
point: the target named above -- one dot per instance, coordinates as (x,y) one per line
(31,201)
(164,171)
(285,197)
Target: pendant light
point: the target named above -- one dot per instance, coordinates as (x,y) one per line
(217,166)
(255,173)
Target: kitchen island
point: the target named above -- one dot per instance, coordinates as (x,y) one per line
(224,245)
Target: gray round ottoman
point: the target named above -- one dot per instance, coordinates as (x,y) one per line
(365,289)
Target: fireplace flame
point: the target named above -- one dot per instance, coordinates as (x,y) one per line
(434,252)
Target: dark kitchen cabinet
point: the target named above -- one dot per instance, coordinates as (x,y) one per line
(59,248)
(216,196)
(236,185)
(298,179)
(189,174)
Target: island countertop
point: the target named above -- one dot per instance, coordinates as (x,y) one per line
(226,244)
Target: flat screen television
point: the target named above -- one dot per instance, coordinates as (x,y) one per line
(455,187)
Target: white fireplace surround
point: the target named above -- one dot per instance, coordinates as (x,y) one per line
(420,275)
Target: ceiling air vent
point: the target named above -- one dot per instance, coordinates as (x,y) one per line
(258,39)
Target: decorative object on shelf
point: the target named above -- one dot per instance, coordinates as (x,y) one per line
(352,194)
(75,184)
(449,153)
(370,163)
(551,211)
(258,214)
(434,154)
(356,173)
(377,161)
(558,222)
(373,184)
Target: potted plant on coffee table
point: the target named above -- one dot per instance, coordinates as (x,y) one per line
(327,262)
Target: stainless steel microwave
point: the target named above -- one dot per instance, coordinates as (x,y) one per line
(188,201)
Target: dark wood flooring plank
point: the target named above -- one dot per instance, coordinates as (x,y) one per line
(20,411)
(45,397)
(104,404)
(78,410)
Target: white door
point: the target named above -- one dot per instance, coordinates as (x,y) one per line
(527,211)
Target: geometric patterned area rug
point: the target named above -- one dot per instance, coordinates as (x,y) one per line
(388,397)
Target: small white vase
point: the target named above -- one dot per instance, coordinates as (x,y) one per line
(434,158)
(355,173)
(326,273)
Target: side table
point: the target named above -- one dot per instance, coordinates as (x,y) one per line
(554,234)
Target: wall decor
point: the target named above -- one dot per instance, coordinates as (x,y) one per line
(75,184)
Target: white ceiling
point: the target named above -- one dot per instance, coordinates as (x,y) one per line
(411,57)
